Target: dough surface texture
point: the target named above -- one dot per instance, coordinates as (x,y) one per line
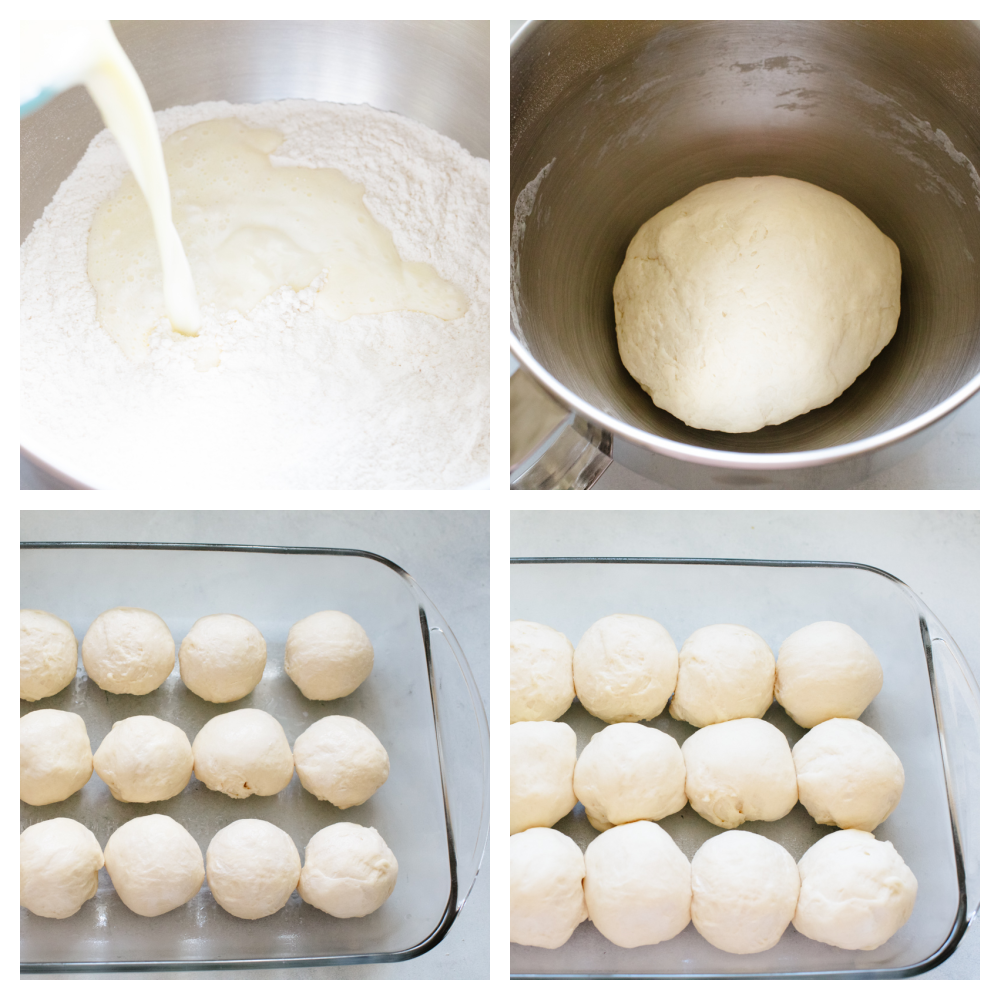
(542,760)
(222,658)
(744,891)
(60,859)
(349,871)
(340,760)
(856,891)
(55,756)
(252,868)
(625,668)
(128,651)
(328,655)
(48,654)
(752,300)
(243,753)
(541,673)
(826,671)
(629,772)
(144,759)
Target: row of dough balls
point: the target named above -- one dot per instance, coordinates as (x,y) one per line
(842,771)
(740,890)
(626,668)
(252,866)
(222,658)
(242,753)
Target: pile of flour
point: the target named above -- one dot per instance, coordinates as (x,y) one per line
(299,401)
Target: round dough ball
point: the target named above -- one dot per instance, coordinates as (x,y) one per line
(243,753)
(826,671)
(340,760)
(128,651)
(155,864)
(638,885)
(144,759)
(541,673)
(848,775)
(725,672)
(754,299)
(628,772)
(48,655)
(856,891)
(349,871)
(542,759)
(60,859)
(252,868)
(546,888)
(328,655)
(625,668)
(740,771)
(222,658)
(744,891)
(55,756)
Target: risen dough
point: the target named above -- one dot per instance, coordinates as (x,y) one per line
(55,756)
(128,651)
(222,658)
(328,655)
(754,299)
(542,759)
(541,673)
(144,759)
(60,859)
(340,760)
(48,655)
(243,753)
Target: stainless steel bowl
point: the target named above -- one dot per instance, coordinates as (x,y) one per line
(613,121)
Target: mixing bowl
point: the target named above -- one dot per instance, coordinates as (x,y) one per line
(613,121)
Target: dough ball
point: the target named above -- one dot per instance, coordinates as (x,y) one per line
(848,775)
(48,655)
(740,771)
(541,673)
(542,758)
(340,760)
(638,885)
(328,655)
(55,756)
(625,668)
(60,859)
(826,671)
(155,864)
(628,772)
(222,658)
(725,672)
(754,299)
(744,891)
(349,871)
(243,753)
(128,651)
(144,759)
(252,868)
(546,888)
(856,891)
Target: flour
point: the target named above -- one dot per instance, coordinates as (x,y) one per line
(298,401)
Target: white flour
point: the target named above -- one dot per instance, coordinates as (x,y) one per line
(299,401)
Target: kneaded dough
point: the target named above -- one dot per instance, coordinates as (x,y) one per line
(144,759)
(48,655)
(243,753)
(541,673)
(349,871)
(628,772)
(744,891)
(252,868)
(724,672)
(222,658)
(546,888)
(328,655)
(340,760)
(856,891)
(542,759)
(754,299)
(60,859)
(128,651)
(740,771)
(848,775)
(55,756)
(625,668)
(638,885)
(826,671)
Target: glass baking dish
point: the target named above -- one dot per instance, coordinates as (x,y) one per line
(420,700)
(928,711)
